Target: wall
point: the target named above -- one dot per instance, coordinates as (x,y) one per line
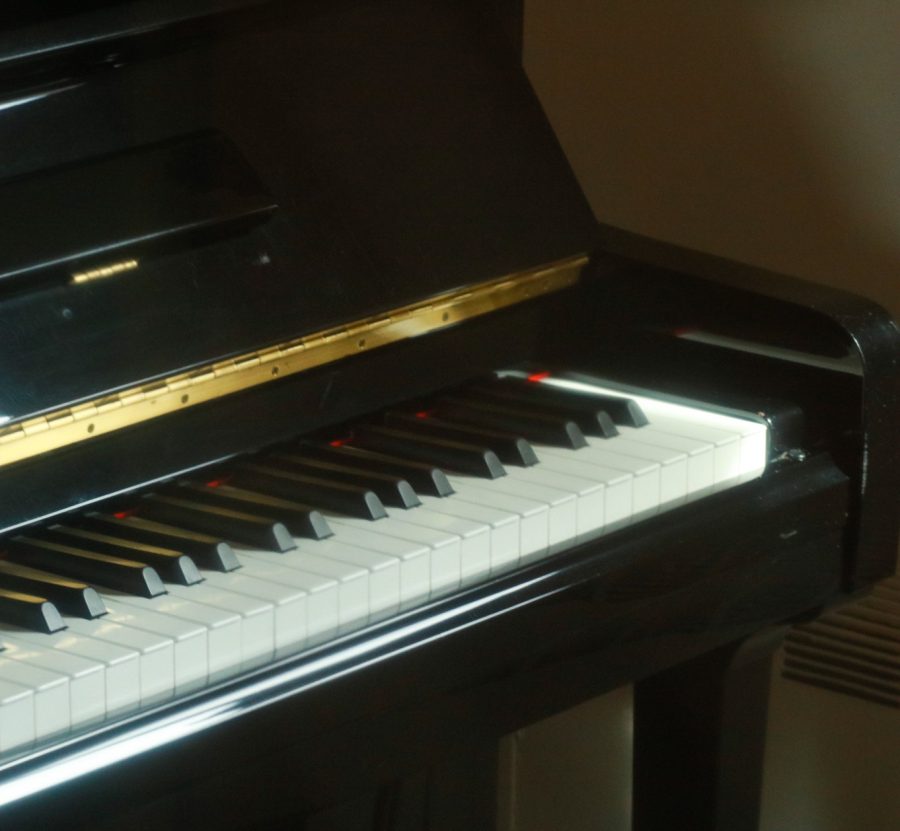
(766,131)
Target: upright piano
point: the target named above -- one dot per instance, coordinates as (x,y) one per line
(338,440)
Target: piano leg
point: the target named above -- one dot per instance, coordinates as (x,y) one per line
(699,740)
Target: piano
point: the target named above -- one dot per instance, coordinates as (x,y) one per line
(338,440)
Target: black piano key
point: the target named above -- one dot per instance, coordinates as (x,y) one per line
(592,421)
(554,430)
(301,520)
(173,566)
(104,570)
(207,551)
(510,449)
(621,409)
(289,484)
(240,526)
(459,456)
(425,478)
(71,596)
(30,612)
(392,490)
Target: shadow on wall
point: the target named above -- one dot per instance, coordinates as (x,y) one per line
(765,132)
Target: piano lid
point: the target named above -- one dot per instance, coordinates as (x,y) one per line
(369,156)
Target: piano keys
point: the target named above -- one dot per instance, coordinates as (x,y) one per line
(267,596)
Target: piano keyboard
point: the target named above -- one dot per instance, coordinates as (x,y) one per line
(206,579)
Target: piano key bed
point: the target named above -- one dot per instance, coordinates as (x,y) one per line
(111,612)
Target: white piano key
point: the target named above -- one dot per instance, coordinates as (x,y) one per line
(673,465)
(726,447)
(700,455)
(278,621)
(384,569)
(752,434)
(534,515)
(352,581)
(51,695)
(646,475)
(461,551)
(222,628)
(504,526)
(590,497)
(190,653)
(562,505)
(121,664)
(17,725)
(414,559)
(156,654)
(741,451)
(87,681)
(257,635)
(321,603)
(618,501)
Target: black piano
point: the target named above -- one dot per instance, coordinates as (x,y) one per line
(337,440)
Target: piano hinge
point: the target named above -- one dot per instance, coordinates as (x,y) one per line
(82,422)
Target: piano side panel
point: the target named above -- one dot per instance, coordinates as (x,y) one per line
(831,353)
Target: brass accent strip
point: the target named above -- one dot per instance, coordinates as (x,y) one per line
(36,436)
(101,273)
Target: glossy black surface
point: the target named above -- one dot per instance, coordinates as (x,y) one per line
(145,200)
(510,449)
(293,484)
(206,551)
(427,479)
(105,570)
(830,353)
(172,565)
(32,612)
(69,596)
(301,520)
(534,426)
(407,154)
(466,457)
(392,490)
(595,414)
(238,526)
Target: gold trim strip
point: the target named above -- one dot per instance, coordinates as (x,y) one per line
(103,272)
(36,436)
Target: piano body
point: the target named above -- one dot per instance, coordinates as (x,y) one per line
(232,225)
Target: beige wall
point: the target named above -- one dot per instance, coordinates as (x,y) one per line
(767,131)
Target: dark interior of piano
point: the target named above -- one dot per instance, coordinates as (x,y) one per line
(338,439)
